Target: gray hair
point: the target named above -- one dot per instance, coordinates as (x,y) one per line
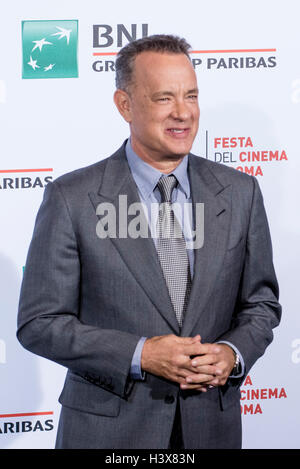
(155,43)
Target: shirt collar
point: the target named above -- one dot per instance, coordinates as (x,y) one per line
(146,177)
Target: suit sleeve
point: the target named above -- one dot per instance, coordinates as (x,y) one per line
(49,322)
(257,310)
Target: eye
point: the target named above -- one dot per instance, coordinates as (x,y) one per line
(164,99)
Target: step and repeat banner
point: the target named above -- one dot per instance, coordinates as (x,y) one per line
(57,114)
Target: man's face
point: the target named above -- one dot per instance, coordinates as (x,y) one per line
(163,111)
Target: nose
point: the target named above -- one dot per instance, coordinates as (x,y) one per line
(180,110)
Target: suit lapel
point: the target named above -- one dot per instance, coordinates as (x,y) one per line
(206,189)
(139,254)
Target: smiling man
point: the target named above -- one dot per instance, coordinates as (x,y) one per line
(157,337)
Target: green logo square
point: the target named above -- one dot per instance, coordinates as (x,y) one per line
(50,49)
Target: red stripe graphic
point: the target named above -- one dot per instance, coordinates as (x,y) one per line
(28,414)
(35,170)
(228,51)
(105,53)
(216,51)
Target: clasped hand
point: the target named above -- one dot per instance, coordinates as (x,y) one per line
(187,361)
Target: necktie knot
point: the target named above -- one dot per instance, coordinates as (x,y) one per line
(166,185)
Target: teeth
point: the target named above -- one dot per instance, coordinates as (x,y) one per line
(177,131)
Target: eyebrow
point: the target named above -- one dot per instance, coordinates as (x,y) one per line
(170,93)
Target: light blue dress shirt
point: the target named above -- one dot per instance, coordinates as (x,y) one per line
(146,178)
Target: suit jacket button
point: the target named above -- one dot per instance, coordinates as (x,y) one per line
(169,399)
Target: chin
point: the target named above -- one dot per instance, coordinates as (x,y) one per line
(180,151)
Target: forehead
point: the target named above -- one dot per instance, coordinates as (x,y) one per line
(152,69)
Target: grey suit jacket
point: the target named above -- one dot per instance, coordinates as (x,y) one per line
(85,302)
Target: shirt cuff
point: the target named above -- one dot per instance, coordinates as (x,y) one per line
(242,364)
(135,370)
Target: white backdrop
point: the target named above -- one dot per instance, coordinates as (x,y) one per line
(247,60)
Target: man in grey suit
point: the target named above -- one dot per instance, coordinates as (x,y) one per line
(157,333)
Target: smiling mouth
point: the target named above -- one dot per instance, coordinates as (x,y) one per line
(177,132)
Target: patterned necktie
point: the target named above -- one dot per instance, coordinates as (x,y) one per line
(171,250)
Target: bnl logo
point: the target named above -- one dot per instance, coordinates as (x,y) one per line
(49,49)
(105,36)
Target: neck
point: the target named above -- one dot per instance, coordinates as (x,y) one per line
(165,164)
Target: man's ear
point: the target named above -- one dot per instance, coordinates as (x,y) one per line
(123,103)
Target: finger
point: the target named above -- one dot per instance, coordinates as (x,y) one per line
(206,384)
(190,340)
(185,376)
(195,387)
(209,370)
(199,378)
(184,373)
(181,380)
(197,338)
(208,367)
(202,360)
(195,364)
(202,388)
(196,349)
